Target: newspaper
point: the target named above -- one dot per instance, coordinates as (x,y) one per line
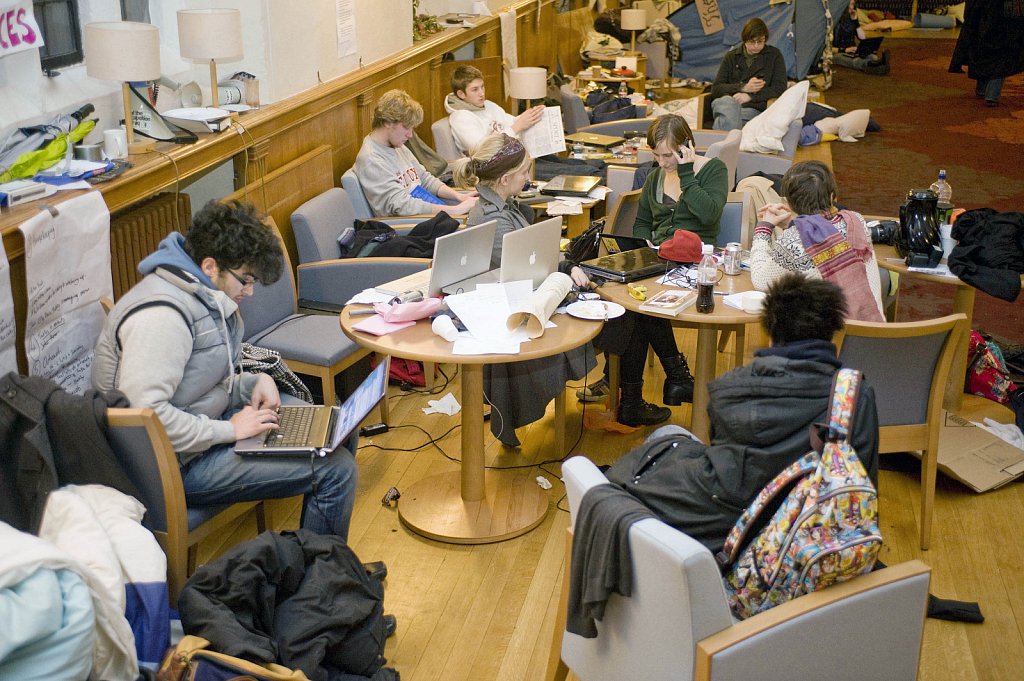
(546,136)
(534,311)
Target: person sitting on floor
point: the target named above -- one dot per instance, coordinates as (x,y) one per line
(172,344)
(846,35)
(394,182)
(750,75)
(472,116)
(812,237)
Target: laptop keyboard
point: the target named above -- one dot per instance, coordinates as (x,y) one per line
(294,424)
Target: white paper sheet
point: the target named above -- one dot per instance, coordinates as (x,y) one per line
(546,136)
(345,25)
(483,312)
(8,354)
(67,268)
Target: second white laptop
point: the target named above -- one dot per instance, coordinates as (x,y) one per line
(528,253)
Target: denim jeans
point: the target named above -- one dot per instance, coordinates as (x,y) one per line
(219,476)
(730,114)
(851,61)
(989,89)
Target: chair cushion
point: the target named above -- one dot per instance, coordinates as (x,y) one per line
(765,132)
(314,339)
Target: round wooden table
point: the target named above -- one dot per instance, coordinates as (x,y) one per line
(474,505)
(722,319)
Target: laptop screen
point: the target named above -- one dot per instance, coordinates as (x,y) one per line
(364,398)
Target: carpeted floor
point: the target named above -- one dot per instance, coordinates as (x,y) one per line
(931,119)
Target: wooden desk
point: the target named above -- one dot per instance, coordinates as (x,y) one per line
(704,364)
(474,505)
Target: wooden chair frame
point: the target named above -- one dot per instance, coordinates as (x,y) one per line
(178,542)
(923,437)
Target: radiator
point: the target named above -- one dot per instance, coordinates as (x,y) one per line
(136,232)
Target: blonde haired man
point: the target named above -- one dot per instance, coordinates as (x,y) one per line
(394,182)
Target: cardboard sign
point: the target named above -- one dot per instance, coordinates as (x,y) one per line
(976,457)
(18,28)
(710,16)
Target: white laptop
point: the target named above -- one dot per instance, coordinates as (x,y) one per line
(463,254)
(308,430)
(528,253)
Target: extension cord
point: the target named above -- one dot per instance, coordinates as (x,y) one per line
(373,429)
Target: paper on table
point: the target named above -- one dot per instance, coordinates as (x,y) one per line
(369,296)
(546,136)
(565,207)
(939,271)
(483,312)
(534,311)
(599,193)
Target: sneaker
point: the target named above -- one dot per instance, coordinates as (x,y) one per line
(595,392)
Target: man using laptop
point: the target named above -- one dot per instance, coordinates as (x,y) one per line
(853,49)
(172,343)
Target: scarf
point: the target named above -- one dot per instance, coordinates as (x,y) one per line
(841,260)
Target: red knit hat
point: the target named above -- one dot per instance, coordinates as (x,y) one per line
(684,246)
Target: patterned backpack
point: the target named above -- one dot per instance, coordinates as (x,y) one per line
(825,531)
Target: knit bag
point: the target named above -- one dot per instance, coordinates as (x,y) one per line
(825,531)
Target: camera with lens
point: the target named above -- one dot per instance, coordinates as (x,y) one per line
(884,231)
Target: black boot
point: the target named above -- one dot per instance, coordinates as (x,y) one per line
(678,380)
(633,411)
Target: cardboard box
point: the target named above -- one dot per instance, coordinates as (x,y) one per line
(976,457)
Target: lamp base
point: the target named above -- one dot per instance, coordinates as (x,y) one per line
(141,147)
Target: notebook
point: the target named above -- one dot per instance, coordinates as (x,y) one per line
(595,139)
(570,185)
(626,266)
(308,430)
(527,253)
(460,255)
(868,46)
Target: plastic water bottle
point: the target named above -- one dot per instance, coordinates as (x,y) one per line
(945,193)
(623,90)
(707,276)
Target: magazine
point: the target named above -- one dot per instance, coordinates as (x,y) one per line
(669,302)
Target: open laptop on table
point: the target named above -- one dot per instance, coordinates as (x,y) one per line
(527,253)
(460,255)
(307,430)
(626,266)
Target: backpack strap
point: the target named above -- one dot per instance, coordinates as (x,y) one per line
(845,386)
(780,484)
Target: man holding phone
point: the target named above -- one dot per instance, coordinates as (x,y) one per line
(750,75)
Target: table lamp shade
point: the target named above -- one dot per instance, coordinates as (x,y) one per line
(122,50)
(528,82)
(210,34)
(633,19)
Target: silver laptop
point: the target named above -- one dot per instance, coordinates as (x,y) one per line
(527,253)
(307,430)
(460,255)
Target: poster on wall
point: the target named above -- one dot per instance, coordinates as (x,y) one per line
(18,28)
(345,18)
(67,272)
(710,16)
(8,356)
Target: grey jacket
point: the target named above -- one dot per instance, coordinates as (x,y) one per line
(509,216)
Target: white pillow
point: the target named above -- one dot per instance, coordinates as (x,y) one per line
(765,132)
(687,108)
(847,127)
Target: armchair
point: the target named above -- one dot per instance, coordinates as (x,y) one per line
(444,140)
(677,625)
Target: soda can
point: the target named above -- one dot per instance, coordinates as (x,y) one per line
(732,258)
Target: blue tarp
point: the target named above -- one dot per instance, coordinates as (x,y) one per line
(798,30)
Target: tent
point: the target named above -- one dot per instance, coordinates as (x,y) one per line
(797,29)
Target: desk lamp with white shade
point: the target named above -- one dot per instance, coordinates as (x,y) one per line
(633,20)
(210,34)
(528,82)
(125,51)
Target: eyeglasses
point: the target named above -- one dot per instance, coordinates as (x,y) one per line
(246,282)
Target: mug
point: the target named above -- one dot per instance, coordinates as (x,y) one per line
(115,143)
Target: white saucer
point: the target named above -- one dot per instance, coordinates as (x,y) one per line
(600,310)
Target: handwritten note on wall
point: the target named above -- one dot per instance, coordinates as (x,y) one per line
(8,355)
(710,16)
(67,269)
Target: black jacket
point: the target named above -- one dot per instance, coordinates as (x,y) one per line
(760,418)
(989,254)
(734,73)
(297,598)
(50,438)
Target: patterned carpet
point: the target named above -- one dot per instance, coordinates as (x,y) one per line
(931,119)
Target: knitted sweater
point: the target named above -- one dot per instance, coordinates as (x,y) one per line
(773,255)
(388,177)
(698,209)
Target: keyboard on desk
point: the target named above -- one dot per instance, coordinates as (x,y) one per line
(293,427)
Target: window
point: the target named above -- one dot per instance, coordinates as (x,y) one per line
(58,22)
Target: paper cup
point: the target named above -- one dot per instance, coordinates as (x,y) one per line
(947,240)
